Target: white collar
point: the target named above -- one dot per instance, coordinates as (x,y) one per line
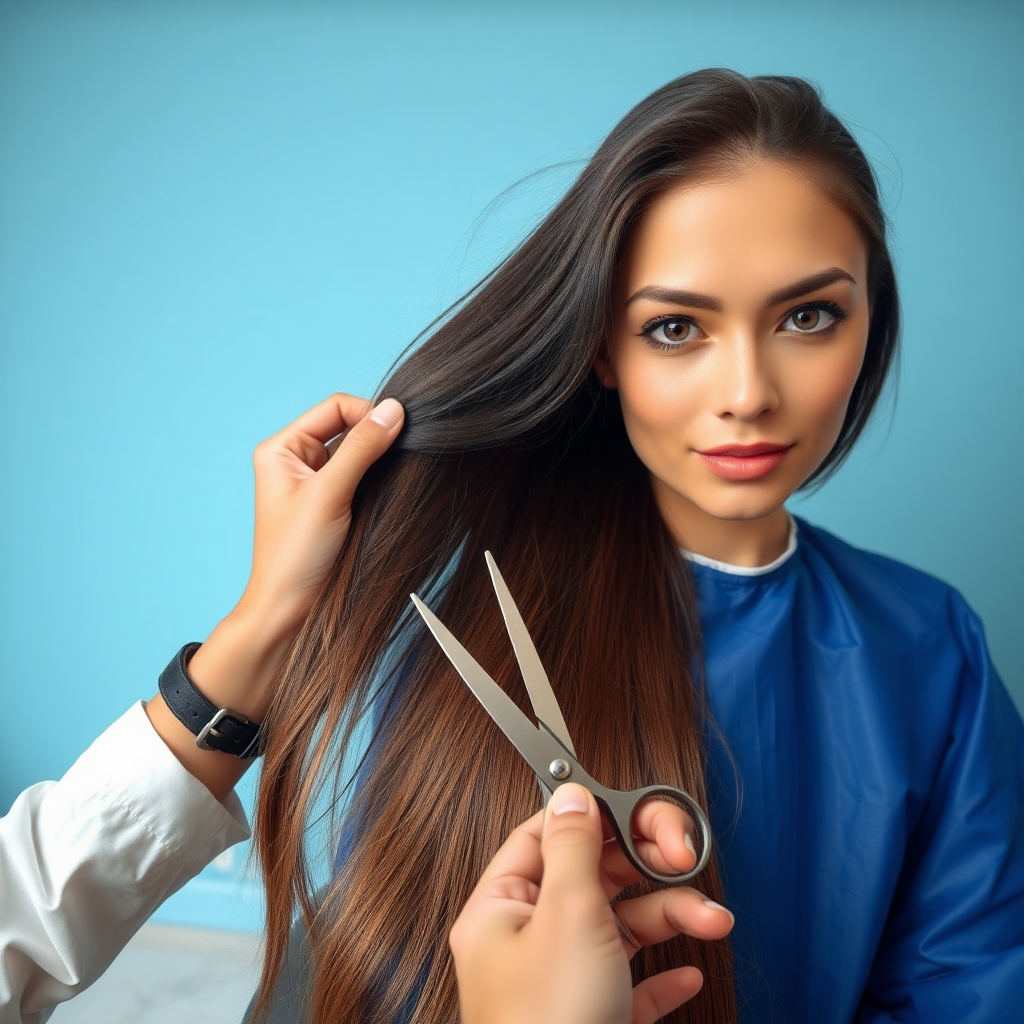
(747,570)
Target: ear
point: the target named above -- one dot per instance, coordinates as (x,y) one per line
(603,369)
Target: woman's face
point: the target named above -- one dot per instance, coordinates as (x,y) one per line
(740,324)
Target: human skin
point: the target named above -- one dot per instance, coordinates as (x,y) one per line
(747,370)
(541,914)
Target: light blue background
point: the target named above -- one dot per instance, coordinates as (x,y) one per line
(214,214)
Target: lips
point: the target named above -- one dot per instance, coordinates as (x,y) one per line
(744,461)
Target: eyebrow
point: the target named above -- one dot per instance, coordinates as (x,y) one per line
(699,301)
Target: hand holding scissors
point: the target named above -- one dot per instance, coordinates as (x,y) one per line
(547,747)
(538,940)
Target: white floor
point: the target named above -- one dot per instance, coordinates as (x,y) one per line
(169,975)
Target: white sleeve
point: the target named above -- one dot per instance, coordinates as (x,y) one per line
(85,861)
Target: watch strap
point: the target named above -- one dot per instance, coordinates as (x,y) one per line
(222,729)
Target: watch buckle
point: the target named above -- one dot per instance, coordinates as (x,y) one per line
(211,726)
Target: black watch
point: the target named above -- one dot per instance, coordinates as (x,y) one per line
(215,728)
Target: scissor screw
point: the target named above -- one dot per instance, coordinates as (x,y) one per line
(559,769)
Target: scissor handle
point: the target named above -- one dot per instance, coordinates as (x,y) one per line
(620,806)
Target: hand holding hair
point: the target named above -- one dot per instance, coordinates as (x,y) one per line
(538,940)
(306,477)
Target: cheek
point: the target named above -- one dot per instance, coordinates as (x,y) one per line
(658,397)
(658,410)
(818,394)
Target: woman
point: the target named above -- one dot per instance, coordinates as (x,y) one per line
(701,326)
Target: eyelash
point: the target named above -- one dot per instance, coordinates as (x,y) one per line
(836,311)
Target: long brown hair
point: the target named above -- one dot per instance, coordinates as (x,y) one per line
(512,445)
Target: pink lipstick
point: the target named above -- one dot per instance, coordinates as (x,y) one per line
(744,461)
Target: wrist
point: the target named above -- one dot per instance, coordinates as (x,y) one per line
(240,663)
(271,618)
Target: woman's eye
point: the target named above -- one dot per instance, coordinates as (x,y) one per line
(672,333)
(809,320)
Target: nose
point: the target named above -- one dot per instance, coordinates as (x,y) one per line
(745,386)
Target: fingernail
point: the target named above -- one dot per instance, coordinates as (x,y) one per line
(387,413)
(688,843)
(718,906)
(570,798)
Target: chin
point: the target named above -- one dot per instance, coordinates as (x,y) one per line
(735,501)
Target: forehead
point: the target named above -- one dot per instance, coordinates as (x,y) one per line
(758,229)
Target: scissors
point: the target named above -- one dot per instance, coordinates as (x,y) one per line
(547,747)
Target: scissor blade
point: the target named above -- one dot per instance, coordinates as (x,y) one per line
(538,686)
(526,737)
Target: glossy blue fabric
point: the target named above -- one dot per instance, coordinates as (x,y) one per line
(874,857)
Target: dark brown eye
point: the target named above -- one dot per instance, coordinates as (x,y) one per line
(675,330)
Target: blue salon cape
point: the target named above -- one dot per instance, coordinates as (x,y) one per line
(875,857)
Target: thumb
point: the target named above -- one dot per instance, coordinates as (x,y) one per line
(571,849)
(363,445)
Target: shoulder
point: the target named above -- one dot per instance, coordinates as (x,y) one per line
(904,606)
(915,653)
